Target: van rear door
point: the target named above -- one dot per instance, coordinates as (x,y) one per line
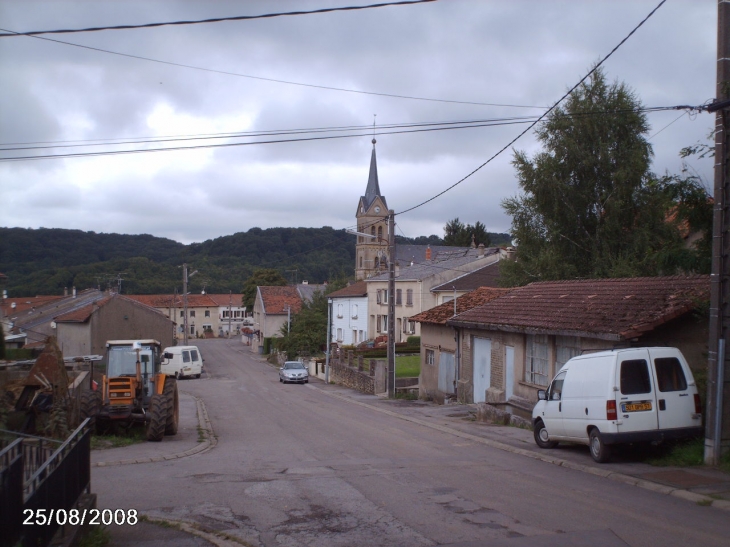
(636,403)
(675,396)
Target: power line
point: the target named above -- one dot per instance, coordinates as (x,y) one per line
(220,19)
(404,130)
(533,124)
(274,80)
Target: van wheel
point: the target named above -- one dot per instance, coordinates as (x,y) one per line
(542,438)
(599,450)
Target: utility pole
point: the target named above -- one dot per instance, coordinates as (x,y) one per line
(329,338)
(391,303)
(230,302)
(717,430)
(185,304)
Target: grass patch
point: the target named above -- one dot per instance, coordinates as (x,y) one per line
(407,366)
(119,438)
(98,536)
(704,503)
(685,454)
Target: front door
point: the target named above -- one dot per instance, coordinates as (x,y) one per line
(482,368)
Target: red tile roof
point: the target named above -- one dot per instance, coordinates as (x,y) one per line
(610,309)
(23,303)
(440,314)
(356,289)
(277,300)
(194,300)
(82,315)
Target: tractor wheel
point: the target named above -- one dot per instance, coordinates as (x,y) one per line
(158,417)
(89,405)
(173,406)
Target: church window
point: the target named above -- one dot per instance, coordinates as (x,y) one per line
(361,263)
(380,232)
(372,230)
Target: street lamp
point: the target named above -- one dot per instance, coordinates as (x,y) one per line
(185,302)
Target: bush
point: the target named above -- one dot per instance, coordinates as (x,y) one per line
(20,354)
(414,341)
(267,345)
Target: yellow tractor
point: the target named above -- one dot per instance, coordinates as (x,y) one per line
(134,390)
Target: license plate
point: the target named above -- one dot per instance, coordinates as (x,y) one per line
(636,407)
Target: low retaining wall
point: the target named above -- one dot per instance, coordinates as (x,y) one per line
(352,378)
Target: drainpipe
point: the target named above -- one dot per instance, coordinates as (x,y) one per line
(329,337)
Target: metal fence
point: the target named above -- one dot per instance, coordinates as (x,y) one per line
(47,479)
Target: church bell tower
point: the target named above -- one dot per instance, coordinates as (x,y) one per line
(371,256)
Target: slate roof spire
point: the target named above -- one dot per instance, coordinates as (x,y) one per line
(373,189)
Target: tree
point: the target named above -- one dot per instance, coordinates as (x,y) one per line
(264,277)
(308,330)
(589,206)
(457,234)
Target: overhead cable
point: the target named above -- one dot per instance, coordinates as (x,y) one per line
(539,119)
(219,19)
(275,80)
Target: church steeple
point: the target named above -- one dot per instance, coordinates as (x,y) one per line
(373,189)
(371,250)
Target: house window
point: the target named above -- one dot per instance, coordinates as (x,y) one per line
(409,297)
(536,359)
(237,314)
(409,327)
(339,311)
(383,323)
(378,326)
(354,311)
(382,296)
(192,329)
(430,357)
(354,337)
(182,313)
(445,299)
(192,313)
(566,347)
(399,297)
(207,313)
(339,335)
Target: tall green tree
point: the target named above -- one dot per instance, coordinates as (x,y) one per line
(307,333)
(458,234)
(264,277)
(589,205)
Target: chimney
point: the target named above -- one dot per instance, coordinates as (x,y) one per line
(480,250)
(428,253)
(507,253)
(74,291)
(305,282)
(473,242)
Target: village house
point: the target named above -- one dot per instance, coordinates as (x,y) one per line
(513,345)
(208,314)
(274,307)
(413,284)
(438,343)
(349,317)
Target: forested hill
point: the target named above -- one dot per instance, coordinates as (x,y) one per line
(47,260)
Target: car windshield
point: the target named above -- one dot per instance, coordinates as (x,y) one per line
(293,365)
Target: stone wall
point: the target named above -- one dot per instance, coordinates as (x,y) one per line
(352,378)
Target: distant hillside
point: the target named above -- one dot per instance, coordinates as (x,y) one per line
(47,260)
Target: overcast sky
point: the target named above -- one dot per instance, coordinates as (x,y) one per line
(517,52)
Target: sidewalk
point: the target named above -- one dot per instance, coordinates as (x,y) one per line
(702,485)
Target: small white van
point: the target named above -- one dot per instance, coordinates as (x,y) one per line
(182,362)
(619,396)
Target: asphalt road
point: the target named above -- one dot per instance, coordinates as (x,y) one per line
(294,466)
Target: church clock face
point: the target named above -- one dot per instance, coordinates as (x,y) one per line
(377,209)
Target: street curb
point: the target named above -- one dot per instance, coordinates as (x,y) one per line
(618,477)
(205,427)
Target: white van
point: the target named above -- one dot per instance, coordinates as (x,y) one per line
(619,396)
(182,361)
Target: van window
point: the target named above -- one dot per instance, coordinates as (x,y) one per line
(186,356)
(194,354)
(635,377)
(669,373)
(556,388)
